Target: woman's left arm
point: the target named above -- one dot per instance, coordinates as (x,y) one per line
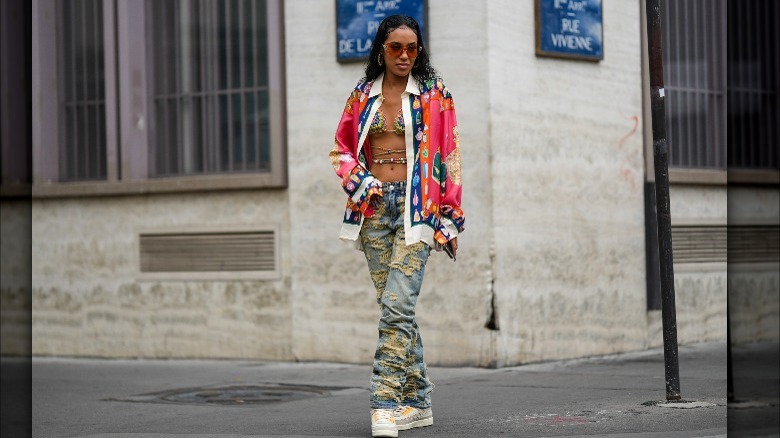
(452,216)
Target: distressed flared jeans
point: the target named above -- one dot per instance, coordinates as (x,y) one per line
(399,374)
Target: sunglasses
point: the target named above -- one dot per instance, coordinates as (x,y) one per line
(395,49)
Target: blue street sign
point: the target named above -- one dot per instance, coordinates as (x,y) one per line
(569,29)
(358,20)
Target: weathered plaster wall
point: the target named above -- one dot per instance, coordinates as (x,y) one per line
(331,306)
(335,313)
(88,299)
(15,277)
(700,301)
(568,174)
(754,303)
(700,288)
(753,288)
(698,204)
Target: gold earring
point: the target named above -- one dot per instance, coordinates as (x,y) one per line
(379,59)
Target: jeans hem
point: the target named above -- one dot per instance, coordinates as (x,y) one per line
(416,405)
(383,404)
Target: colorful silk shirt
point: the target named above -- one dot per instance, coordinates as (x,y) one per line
(432,205)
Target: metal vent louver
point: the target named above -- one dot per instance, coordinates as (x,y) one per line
(754,243)
(719,243)
(699,243)
(203,252)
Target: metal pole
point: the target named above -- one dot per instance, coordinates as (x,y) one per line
(661,162)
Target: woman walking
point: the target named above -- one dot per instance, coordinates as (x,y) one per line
(397,153)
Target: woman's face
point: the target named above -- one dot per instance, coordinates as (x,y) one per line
(400,51)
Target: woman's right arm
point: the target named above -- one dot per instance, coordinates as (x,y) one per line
(356,180)
(343,154)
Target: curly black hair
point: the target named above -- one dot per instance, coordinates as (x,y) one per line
(422,70)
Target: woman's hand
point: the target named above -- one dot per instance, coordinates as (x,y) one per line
(373,200)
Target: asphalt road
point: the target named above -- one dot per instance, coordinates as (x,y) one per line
(601,396)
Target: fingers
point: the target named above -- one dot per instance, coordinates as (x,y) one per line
(374,200)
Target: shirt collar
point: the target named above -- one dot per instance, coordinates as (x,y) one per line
(412,86)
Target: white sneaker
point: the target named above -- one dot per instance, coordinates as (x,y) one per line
(383,423)
(409,417)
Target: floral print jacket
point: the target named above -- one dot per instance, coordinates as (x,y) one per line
(433,192)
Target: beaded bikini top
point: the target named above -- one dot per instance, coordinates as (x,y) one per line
(379,123)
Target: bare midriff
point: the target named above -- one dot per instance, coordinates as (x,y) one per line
(388,149)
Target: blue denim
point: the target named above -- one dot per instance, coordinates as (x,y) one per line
(399,373)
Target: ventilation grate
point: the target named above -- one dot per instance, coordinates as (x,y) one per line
(754,243)
(241,251)
(718,243)
(699,243)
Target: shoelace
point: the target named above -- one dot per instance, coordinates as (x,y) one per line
(399,411)
(384,415)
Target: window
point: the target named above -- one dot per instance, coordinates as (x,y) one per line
(15,117)
(157,96)
(210,87)
(694,49)
(722,88)
(753,88)
(83,155)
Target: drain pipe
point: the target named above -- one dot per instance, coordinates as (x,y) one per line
(664,218)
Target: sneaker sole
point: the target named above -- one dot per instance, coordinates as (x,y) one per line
(384,433)
(419,423)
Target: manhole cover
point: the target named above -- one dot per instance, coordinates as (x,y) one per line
(233,395)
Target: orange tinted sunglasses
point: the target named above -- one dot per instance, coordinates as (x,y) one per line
(395,49)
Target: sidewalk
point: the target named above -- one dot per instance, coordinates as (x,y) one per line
(601,396)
